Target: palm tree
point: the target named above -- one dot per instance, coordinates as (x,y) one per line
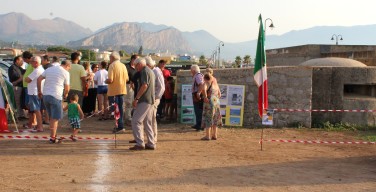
(238,61)
(203,60)
(247,60)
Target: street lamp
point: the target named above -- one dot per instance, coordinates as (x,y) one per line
(271,25)
(219,53)
(334,35)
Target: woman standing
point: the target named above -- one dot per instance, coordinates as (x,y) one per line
(99,79)
(211,116)
(88,103)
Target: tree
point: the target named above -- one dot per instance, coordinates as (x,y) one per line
(247,59)
(140,50)
(203,60)
(238,61)
(86,56)
(59,48)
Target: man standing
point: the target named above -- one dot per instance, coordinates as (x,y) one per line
(35,104)
(143,104)
(56,82)
(159,90)
(197,87)
(77,78)
(29,69)
(129,97)
(117,78)
(15,73)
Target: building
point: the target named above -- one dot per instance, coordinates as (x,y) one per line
(292,56)
(323,83)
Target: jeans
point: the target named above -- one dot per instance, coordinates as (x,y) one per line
(118,99)
(198,113)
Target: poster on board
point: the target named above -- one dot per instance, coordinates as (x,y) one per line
(231,104)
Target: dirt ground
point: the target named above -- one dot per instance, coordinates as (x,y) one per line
(182,162)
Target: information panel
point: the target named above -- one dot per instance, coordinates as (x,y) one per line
(232,104)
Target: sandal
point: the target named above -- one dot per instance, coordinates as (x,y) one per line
(214,138)
(205,139)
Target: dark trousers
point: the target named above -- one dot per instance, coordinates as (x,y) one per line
(161,107)
(118,99)
(198,107)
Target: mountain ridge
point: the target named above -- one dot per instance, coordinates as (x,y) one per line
(163,38)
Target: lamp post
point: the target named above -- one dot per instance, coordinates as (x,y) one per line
(214,57)
(334,35)
(271,25)
(219,53)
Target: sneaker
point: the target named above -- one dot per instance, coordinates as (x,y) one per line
(121,130)
(137,148)
(73,138)
(149,148)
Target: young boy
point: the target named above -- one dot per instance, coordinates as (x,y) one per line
(75,114)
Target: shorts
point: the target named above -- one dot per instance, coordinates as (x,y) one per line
(53,107)
(34,103)
(102,89)
(75,122)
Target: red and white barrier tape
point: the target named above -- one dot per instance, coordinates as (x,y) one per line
(318,142)
(327,110)
(36,137)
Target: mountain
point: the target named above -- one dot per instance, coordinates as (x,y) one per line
(353,35)
(153,38)
(21,28)
(161,38)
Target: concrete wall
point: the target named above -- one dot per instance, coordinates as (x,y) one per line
(328,93)
(293,56)
(289,87)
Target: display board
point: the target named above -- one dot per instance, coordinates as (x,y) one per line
(232,104)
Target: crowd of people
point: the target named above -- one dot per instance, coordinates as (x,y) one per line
(138,94)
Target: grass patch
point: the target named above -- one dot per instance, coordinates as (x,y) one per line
(343,126)
(368,136)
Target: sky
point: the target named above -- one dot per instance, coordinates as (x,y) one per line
(228,20)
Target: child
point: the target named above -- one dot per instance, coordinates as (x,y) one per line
(74,115)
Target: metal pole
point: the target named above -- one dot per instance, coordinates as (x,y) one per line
(219,53)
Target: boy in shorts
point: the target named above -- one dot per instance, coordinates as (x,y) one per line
(75,115)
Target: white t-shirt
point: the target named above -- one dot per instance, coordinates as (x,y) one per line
(24,65)
(55,79)
(55,64)
(32,86)
(100,77)
(159,83)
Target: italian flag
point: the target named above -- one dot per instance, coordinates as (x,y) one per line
(259,72)
(5,85)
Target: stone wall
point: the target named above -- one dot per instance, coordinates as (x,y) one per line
(289,87)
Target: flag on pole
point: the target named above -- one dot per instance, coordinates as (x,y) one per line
(259,72)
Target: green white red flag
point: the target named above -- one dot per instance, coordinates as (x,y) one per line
(260,74)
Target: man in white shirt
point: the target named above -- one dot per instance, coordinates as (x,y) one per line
(34,102)
(159,90)
(56,82)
